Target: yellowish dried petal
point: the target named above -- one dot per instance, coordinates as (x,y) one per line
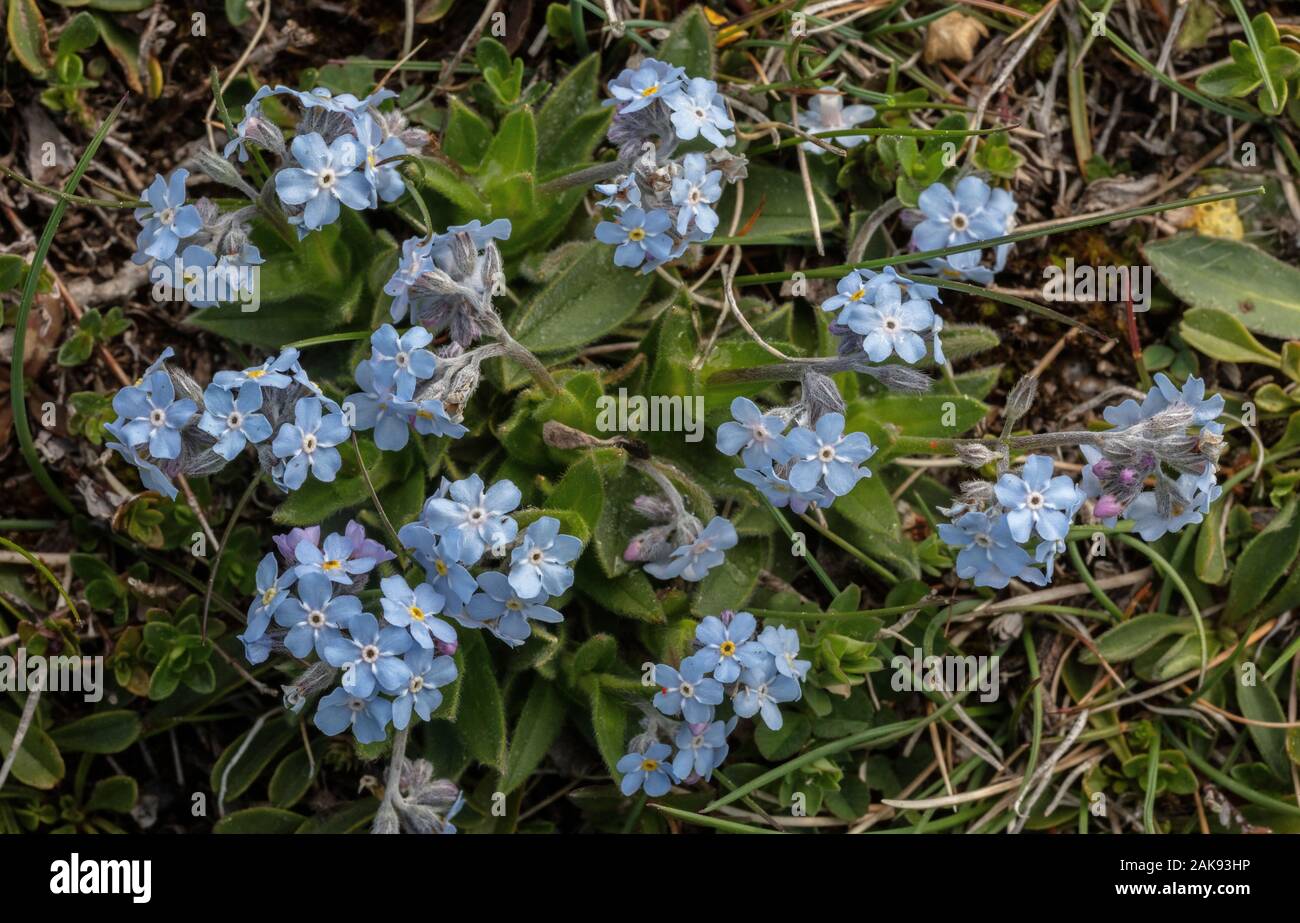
(953,38)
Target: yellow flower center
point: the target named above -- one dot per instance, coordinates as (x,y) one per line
(331,565)
(857,296)
(441,568)
(256,374)
(424,415)
(649,765)
(416,613)
(636,234)
(728,648)
(650,91)
(268,596)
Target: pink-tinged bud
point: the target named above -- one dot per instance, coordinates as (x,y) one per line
(633,550)
(446,647)
(726,615)
(1103,468)
(1107,507)
(1128,477)
(697,729)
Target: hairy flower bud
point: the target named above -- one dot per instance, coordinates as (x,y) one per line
(316,678)
(1020,400)
(1107,506)
(821,395)
(977,454)
(650,545)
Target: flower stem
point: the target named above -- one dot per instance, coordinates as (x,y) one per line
(379,507)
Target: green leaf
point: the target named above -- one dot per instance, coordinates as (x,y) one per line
(293,777)
(259,820)
(468,137)
(690,44)
(571,122)
(266,744)
(481,718)
(116,793)
(729,584)
(1211,559)
(583,302)
(1230,276)
(1290,360)
(1222,336)
(582,489)
(436,177)
(874,526)
(102,732)
(124,46)
(38,763)
(78,35)
(348,818)
(1229,79)
(315,500)
(1136,636)
(237,12)
(777,197)
(12,270)
(924,415)
(1263,562)
(609,723)
(314,289)
(785,743)
(76,349)
(962,341)
(1259,703)
(28,38)
(597,654)
(539,724)
(513,150)
(631,594)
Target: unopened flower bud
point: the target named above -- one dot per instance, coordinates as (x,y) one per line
(561,436)
(976,454)
(315,678)
(1021,398)
(821,395)
(1107,507)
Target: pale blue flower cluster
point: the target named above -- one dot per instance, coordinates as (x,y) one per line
(680,546)
(149,424)
(1021,532)
(446,281)
(663,205)
(464,522)
(389,671)
(392,663)
(197,254)
(884,314)
(798,467)
(756,672)
(969,213)
(343,153)
(1179,458)
(388,402)
(167,427)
